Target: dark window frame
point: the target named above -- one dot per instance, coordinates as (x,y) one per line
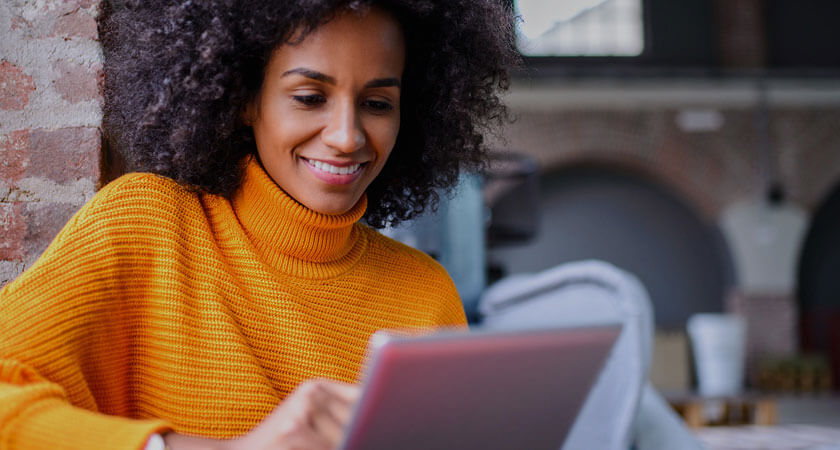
(656,58)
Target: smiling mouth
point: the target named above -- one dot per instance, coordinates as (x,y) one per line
(335,170)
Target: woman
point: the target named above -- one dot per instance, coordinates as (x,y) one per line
(223,297)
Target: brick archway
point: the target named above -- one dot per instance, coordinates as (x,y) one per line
(708,170)
(632,164)
(619,214)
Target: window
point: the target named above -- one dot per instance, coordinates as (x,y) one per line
(580,27)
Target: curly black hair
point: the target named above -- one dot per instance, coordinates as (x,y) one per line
(178,73)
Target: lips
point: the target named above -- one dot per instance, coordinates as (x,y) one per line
(334,173)
(335,170)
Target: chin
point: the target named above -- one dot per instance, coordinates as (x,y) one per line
(332,208)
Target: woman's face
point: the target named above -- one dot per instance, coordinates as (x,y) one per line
(328,112)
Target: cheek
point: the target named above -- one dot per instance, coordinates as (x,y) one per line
(386,136)
(283,130)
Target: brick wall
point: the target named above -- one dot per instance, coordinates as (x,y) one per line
(50,112)
(709,169)
(741,36)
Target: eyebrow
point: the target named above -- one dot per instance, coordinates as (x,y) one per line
(324,78)
(383,82)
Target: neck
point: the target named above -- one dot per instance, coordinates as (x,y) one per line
(281,228)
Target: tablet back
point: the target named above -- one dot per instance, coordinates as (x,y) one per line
(480,390)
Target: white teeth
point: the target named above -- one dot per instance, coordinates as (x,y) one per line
(329,168)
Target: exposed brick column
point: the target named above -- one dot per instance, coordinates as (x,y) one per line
(50,114)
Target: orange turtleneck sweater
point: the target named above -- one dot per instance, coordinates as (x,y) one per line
(158,308)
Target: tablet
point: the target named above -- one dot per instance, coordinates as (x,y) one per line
(477,390)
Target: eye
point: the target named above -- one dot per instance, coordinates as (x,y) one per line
(378,106)
(309,100)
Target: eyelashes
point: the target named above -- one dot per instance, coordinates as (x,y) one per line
(379,105)
(312,101)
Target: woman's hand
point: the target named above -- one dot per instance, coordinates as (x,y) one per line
(313,417)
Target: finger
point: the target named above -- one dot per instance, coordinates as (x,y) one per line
(348,392)
(333,404)
(290,434)
(330,428)
(343,401)
(341,410)
(308,439)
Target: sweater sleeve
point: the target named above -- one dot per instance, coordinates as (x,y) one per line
(451,308)
(61,346)
(440,292)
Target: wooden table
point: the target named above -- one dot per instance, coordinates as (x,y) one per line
(747,408)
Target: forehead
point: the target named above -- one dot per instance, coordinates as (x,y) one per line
(371,40)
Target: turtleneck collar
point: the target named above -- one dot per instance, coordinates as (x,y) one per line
(281,228)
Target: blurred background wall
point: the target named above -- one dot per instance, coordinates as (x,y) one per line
(706,161)
(702,153)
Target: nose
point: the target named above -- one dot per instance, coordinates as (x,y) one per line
(343,131)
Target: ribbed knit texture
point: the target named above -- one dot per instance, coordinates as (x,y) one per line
(160,308)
